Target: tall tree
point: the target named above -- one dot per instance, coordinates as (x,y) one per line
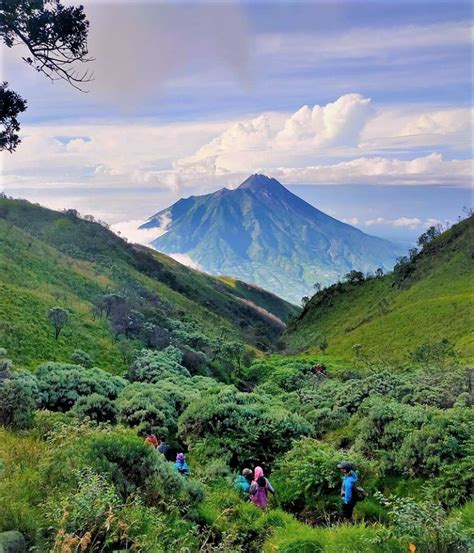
(56,40)
(58,318)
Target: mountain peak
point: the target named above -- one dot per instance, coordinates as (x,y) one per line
(259,182)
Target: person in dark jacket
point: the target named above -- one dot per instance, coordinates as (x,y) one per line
(348,488)
(164,449)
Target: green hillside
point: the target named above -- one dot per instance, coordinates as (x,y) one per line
(77,474)
(428,299)
(49,258)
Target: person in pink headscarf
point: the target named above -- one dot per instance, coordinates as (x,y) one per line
(259,489)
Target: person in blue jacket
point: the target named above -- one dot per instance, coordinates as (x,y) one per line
(348,488)
(181,465)
(242,483)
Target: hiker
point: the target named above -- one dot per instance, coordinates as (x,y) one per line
(181,465)
(348,488)
(319,369)
(242,483)
(164,449)
(259,489)
(151,439)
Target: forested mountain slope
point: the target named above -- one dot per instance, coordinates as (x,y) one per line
(260,232)
(425,300)
(49,258)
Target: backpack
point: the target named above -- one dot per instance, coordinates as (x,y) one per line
(360,493)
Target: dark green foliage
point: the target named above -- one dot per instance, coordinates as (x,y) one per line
(194,361)
(5,365)
(437,353)
(155,336)
(18,393)
(60,385)
(429,235)
(12,542)
(124,459)
(58,318)
(323,345)
(354,277)
(307,477)
(251,429)
(11,105)
(82,358)
(151,366)
(413,440)
(455,482)
(95,407)
(147,408)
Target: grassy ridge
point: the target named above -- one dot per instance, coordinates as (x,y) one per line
(389,319)
(49,258)
(36,277)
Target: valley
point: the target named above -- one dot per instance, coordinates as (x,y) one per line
(149,346)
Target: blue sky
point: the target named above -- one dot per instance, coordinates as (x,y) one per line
(353,105)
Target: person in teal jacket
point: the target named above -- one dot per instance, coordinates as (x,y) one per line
(242,483)
(181,465)
(348,488)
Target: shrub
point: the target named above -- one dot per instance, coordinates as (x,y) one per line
(436,353)
(60,385)
(12,542)
(80,519)
(455,484)
(145,407)
(124,458)
(5,365)
(95,518)
(95,407)
(82,358)
(424,523)
(194,361)
(252,430)
(307,477)
(18,394)
(151,366)
(413,440)
(47,422)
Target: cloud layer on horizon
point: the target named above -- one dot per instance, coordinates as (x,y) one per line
(348,141)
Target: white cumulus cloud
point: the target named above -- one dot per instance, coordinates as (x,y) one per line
(338,123)
(376,221)
(430,169)
(410,222)
(184,259)
(350,220)
(130,230)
